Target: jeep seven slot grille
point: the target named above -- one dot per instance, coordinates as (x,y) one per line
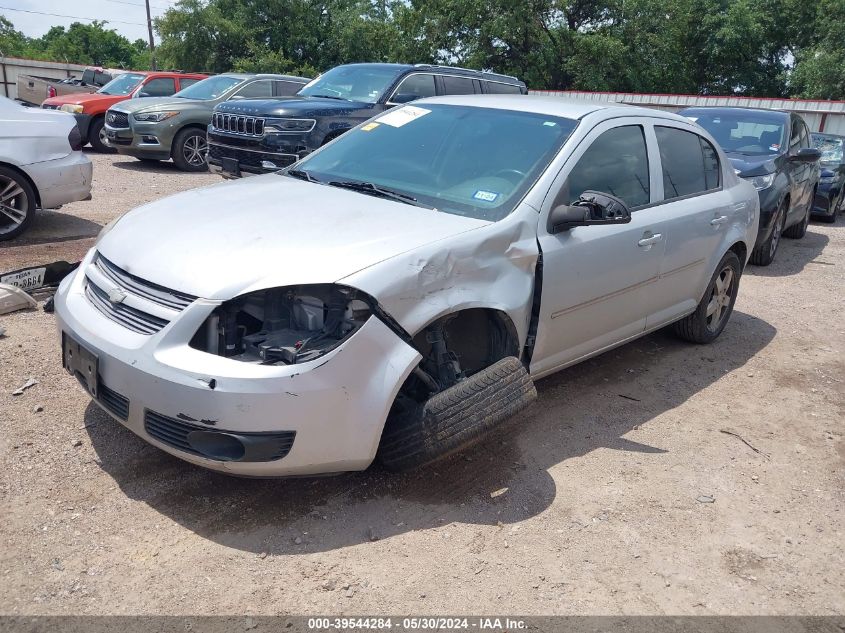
(237,124)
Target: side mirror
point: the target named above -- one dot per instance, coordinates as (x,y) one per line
(142,94)
(806,155)
(404,97)
(592,207)
(236,98)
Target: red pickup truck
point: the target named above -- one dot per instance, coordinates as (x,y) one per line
(90,109)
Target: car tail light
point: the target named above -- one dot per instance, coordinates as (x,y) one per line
(51,92)
(75,139)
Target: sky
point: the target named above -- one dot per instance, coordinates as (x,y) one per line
(115,12)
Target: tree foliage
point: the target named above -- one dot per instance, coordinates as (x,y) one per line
(743,47)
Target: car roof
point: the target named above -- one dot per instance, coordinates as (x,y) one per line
(264,76)
(773,114)
(452,70)
(552,106)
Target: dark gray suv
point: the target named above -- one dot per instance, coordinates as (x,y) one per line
(253,137)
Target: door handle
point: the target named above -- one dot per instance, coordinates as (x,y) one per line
(651,239)
(719,220)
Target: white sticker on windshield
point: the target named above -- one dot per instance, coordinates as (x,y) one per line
(403,116)
(486,196)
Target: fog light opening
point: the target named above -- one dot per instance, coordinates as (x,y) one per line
(215,445)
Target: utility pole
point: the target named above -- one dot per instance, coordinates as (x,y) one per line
(152,43)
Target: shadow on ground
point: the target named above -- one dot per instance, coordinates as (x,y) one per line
(625,388)
(55,226)
(155,167)
(793,255)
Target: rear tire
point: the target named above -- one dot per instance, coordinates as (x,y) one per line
(764,254)
(715,308)
(17,204)
(97,136)
(190,150)
(457,417)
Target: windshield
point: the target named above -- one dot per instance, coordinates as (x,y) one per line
(209,89)
(122,84)
(746,133)
(355,83)
(470,161)
(831,148)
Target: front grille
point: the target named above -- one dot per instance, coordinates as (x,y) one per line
(117,119)
(128,317)
(237,124)
(175,433)
(172,299)
(117,404)
(247,158)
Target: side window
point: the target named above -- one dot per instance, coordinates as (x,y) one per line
(286,88)
(457,85)
(616,163)
(495,88)
(256,90)
(418,86)
(159,87)
(184,82)
(690,164)
(795,137)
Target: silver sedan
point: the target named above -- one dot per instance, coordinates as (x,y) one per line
(395,294)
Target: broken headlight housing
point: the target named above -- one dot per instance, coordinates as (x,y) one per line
(289,325)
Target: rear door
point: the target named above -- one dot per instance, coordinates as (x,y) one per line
(692,214)
(597,279)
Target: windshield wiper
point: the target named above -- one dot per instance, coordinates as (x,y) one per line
(375,190)
(327,97)
(301,174)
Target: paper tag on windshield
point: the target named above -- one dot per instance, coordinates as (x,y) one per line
(403,116)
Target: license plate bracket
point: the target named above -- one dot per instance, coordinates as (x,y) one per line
(80,363)
(232,166)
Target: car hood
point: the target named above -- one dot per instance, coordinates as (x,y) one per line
(266,231)
(293,106)
(157,104)
(753,165)
(81,98)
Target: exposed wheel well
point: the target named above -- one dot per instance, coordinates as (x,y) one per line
(332,136)
(26,177)
(459,345)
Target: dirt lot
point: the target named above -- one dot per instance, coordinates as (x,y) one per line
(599,500)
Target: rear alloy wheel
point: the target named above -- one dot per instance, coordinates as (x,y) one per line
(715,308)
(190,150)
(764,254)
(17,204)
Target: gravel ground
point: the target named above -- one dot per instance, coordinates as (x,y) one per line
(619,492)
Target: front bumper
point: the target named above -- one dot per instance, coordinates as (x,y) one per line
(142,140)
(232,155)
(827,195)
(62,180)
(336,405)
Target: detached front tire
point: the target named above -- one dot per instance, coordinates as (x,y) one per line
(457,417)
(764,254)
(715,308)
(797,231)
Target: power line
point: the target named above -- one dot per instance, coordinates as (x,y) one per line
(72,17)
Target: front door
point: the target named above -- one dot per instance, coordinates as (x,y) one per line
(596,279)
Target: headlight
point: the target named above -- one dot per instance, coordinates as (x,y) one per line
(761,182)
(154,117)
(287,325)
(72,108)
(289,125)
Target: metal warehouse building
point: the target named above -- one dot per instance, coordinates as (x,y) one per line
(821,116)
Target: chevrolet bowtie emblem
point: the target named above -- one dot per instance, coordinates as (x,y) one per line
(116,295)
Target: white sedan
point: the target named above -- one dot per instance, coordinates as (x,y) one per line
(41,164)
(395,293)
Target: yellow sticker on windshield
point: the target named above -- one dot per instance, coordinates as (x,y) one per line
(369,126)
